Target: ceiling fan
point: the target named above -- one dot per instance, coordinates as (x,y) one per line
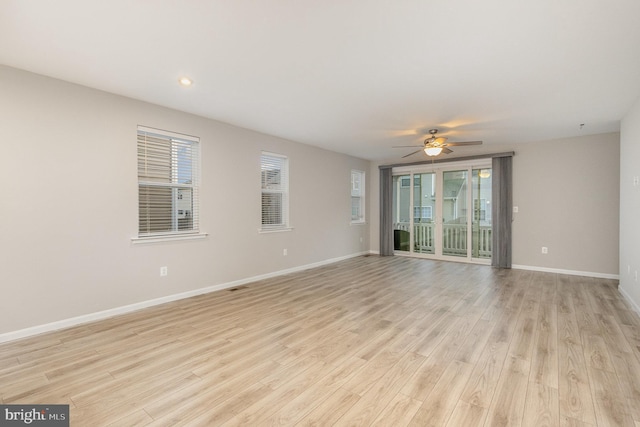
(434,145)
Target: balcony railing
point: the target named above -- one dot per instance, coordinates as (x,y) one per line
(454,238)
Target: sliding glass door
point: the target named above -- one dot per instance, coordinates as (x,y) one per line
(424,209)
(402,220)
(454,213)
(481,221)
(443,213)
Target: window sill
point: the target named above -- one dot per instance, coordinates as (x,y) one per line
(274,230)
(167,238)
(358,223)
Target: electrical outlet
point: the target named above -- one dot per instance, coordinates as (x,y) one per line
(545,250)
(515,209)
(163,271)
(284,252)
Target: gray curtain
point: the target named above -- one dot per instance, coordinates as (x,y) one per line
(386,212)
(501,211)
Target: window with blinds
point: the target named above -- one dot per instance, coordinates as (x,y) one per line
(168,179)
(274,170)
(357,196)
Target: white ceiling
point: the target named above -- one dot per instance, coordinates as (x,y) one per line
(354,76)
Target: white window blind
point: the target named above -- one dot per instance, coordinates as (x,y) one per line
(168,179)
(357,196)
(275,191)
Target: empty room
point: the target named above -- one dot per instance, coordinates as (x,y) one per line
(408,213)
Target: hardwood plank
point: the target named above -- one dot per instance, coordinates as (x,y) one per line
(524,333)
(138,419)
(507,406)
(372,372)
(265,407)
(398,412)
(212,390)
(572,422)
(472,347)
(223,412)
(596,353)
(632,333)
(330,410)
(574,390)
(297,408)
(439,405)
(613,335)
(420,384)
(628,372)
(484,378)
(541,406)
(610,403)
(544,362)
(111,410)
(381,393)
(467,415)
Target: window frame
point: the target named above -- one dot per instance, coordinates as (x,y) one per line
(283,191)
(358,194)
(146,180)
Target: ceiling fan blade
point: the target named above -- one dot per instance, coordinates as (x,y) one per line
(445,150)
(407,146)
(453,144)
(411,154)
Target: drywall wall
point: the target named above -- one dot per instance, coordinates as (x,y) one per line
(566,191)
(630,205)
(567,198)
(69,205)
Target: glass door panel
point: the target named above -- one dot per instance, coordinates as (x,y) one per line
(424,210)
(454,213)
(402,212)
(481,221)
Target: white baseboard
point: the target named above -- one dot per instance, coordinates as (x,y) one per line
(100,315)
(569,272)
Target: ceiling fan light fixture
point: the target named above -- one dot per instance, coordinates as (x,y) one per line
(432,151)
(185,81)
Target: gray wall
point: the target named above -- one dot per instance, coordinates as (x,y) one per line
(568,199)
(69,204)
(630,205)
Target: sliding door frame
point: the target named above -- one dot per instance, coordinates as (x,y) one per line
(438,169)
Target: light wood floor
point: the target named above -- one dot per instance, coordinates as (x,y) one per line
(369,341)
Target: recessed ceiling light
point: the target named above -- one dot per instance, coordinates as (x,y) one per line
(185,81)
